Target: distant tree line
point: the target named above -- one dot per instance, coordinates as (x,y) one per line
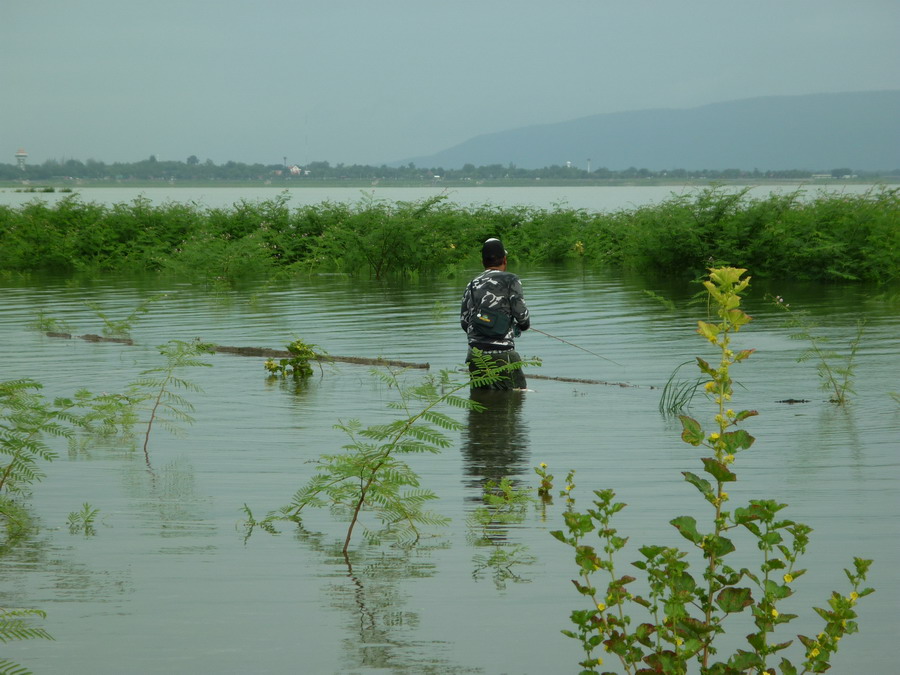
(192,169)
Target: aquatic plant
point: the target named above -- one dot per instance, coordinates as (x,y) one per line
(688,612)
(45,323)
(121,328)
(677,394)
(298,364)
(836,371)
(369,476)
(157,388)
(83,521)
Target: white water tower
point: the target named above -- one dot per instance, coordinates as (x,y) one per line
(21,156)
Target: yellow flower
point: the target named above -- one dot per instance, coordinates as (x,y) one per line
(854,596)
(710,386)
(724,497)
(601,606)
(814,652)
(599,661)
(788,578)
(543,465)
(714,436)
(568,487)
(729,412)
(774,613)
(679,641)
(729,459)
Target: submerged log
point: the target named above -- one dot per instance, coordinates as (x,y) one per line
(284,354)
(260,351)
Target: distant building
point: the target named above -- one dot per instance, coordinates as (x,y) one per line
(21,156)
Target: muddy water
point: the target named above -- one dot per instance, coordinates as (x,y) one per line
(169,584)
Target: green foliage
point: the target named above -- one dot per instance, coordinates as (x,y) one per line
(121,328)
(298,363)
(687,611)
(678,394)
(26,420)
(83,521)
(370,476)
(836,371)
(830,237)
(157,388)
(48,324)
(16,624)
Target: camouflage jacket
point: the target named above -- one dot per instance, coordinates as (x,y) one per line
(494,295)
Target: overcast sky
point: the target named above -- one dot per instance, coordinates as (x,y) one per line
(374,81)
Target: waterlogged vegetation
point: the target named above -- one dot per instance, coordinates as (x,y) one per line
(687,612)
(371,483)
(782,236)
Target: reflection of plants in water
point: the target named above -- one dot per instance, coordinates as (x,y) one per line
(687,614)
(368,586)
(121,328)
(157,388)
(83,521)
(836,370)
(504,505)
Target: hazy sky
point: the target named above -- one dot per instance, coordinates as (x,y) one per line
(373,81)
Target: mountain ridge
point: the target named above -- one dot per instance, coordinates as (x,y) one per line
(818,132)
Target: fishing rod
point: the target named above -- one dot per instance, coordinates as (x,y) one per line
(537,330)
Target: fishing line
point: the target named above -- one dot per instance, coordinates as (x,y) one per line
(536,330)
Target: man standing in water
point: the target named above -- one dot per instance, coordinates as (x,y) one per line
(493,313)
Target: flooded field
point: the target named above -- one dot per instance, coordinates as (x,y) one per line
(170,582)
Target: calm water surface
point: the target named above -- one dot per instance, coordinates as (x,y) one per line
(169,585)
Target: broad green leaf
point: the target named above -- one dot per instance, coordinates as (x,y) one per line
(687,526)
(735,441)
(733,600)
(700,483)
(718,470)
(692,431)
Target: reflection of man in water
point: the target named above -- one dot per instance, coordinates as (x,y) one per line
(493,312)
(495,441)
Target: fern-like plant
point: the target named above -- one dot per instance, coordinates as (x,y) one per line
(26,419)
(15,624)
(121,328)
(158,388)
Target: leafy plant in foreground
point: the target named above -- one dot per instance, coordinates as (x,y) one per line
(370,476)
(26,419)
(688,612)
(15,624)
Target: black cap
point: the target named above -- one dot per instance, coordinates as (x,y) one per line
(492,251)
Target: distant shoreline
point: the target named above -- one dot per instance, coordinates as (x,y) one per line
(73,185)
